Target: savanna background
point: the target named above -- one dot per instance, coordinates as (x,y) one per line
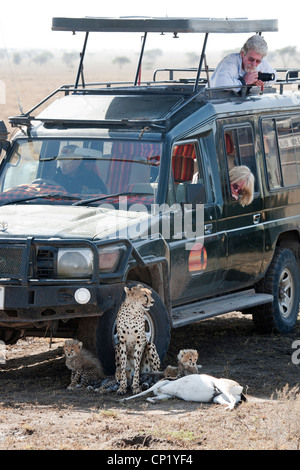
(29,75)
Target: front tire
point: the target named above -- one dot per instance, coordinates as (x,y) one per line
(282,281)
(157,326)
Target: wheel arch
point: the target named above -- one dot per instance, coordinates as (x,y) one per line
(269,317)
(154,275)
(291,241)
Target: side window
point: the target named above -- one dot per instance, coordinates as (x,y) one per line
(281,138)
(240,151)
(287,152)
(23,165)
(296,136)
(271,153)
(186,168)
(231,146)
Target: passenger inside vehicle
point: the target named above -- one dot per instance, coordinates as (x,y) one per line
(242,184)
(240,153)
(73,175)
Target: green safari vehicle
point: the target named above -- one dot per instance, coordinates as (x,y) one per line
(152,201)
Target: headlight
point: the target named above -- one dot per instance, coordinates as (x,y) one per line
(109,258)
(75,263)
(78,262)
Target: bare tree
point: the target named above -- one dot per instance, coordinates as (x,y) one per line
(288,56)
(121,61)
(43,57)
(192,58)
(151,56)
(17,58)
(69,57)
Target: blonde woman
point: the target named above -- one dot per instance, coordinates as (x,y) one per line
(242,184)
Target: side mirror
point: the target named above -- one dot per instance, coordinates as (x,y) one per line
(195,194)
(4,144)
(3,131)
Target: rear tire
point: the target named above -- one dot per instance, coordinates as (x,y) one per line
(282,281)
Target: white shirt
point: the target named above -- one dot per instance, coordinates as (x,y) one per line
(230,68)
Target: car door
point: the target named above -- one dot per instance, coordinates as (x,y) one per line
(244,229)
(196,252)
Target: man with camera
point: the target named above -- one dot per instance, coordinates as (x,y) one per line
(248,67)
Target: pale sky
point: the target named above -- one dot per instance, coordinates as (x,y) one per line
(27,24)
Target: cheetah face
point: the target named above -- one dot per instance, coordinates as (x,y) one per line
(147,300)
(140,295)
(72,348)
(189,358)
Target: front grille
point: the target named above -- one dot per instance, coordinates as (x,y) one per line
(45,263)
(11,261)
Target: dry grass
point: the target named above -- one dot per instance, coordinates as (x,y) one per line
(28,83)
(37,412)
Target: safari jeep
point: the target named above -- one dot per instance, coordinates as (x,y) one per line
(152,201)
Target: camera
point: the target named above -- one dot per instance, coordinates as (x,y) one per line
(266,77)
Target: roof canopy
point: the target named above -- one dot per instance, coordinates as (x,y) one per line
(164,25)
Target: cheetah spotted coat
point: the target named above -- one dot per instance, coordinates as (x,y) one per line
(133,346)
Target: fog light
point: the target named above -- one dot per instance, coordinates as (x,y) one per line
(82,295)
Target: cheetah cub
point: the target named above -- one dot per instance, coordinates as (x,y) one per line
(86,368)
(187,364)
(133,351)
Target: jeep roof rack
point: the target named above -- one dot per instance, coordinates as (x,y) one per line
(147,25)
(163,25)
(143,25)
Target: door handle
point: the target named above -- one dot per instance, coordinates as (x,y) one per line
(256,218)
(208,229)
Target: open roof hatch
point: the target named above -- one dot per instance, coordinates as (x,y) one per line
(163,25)
(143,25)
(160,25)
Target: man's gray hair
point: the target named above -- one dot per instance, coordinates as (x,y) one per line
(256,43)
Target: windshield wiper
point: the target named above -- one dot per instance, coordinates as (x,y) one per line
(40,196)
(107,196)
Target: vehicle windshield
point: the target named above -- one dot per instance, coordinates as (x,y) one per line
(80,171)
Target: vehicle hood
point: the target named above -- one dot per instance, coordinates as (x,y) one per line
(69,222)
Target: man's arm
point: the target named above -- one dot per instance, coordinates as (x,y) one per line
(224,78)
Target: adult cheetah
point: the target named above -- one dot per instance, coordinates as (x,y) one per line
(133,345)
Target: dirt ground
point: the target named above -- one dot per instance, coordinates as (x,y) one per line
(38,412)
